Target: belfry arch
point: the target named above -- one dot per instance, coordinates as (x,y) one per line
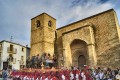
(79,53)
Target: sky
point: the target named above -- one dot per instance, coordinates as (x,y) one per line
(15,15)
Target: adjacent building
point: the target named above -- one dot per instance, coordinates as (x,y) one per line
(12,55)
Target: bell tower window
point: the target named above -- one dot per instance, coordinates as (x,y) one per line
(38,24)
(50,23)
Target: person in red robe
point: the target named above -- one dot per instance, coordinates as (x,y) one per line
(77,75)
(43,78)
(54,78)
(60,74)
(49,77)
(67,74)
(88,75)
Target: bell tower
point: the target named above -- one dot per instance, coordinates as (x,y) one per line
(43,29)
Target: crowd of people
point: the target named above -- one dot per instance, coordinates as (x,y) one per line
(67,74)
(36,61)
(35,70)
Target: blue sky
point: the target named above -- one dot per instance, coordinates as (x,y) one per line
(15,15)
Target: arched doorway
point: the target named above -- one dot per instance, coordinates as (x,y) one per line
(79,53)
(81,60)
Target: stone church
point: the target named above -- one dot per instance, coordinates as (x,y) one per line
(93,41)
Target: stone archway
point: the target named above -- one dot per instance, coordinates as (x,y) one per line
(79,52)
(82,40)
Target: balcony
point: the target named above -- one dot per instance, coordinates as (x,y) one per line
(11,50)
(0,49)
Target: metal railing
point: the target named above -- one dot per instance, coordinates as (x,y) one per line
(11,50)
(0,48)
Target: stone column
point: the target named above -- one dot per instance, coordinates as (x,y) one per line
(67,55)
(91,48)
(64,57)
(64,51)
(91,54)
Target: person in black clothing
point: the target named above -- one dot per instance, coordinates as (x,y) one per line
(54,61)
(5,74)
(50,61)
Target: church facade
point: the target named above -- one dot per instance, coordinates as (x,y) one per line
(93,41)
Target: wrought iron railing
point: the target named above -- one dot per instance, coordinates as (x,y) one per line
(0,48)
(12,50)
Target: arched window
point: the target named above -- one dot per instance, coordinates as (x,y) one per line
(38,24)
(50,23)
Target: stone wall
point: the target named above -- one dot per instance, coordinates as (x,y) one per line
(42,37)
(105,32)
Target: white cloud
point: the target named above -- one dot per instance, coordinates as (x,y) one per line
(79,12)
(15,15)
